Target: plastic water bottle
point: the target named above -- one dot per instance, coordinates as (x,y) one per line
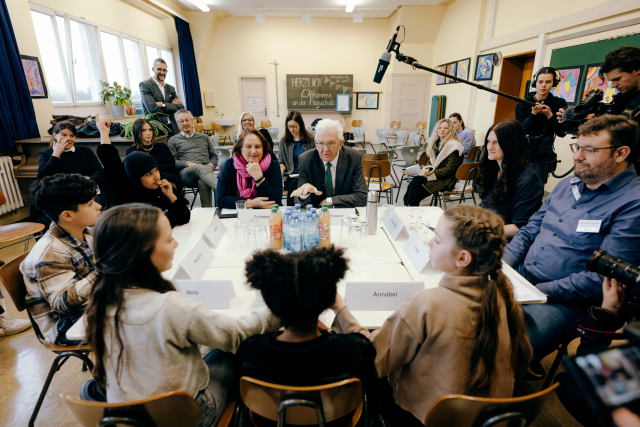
(298,210)
(325,227)
(295,233)
(309,225)
(316,219)
(309,207)
(286,220)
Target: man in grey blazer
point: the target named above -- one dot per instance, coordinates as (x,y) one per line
(331,173)
(160,97)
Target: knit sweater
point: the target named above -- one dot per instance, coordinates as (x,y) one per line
(160,336)
(83,161)
(198,149)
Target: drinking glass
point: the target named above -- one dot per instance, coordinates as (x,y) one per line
(254,223)
(355,236)
(249,240)
(416,217)
(241,204)
(386,210)
(262,237)
(424,231)
(240,227)
(364,231)
(344,233)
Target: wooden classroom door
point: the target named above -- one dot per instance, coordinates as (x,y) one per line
(253,92)
(408,95)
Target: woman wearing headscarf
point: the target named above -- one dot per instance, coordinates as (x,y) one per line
(138,179)
(247,121)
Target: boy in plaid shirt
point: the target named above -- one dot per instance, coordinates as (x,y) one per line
(59,270)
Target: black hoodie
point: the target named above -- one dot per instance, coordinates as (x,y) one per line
(537,125)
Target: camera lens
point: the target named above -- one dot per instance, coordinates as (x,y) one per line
(608,265)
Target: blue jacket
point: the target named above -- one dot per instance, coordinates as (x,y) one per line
(556,254)
(227,189)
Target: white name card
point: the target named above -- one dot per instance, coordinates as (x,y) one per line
(247,215)
(417,252)
(215,294)
(259,300)
(195,262)
(379,296)
(214,232)
(337,215)
(394,225)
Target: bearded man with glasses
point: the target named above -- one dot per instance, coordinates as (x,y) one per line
(598,208)
(331,173)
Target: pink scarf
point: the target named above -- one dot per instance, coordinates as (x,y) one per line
(243,178)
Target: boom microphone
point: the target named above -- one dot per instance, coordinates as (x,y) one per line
(385,59)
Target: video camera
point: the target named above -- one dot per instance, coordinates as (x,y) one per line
(574,117)
(625,273)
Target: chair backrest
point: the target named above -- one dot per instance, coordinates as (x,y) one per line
(215,139)
(382,133)
(199,127)
(391,153)
(368,168)
(216,126)
(358,132)
(173,409)
(311,130)
(471,154)
(12,279)
(3,199)
(423,159)
(409,154)
(475,411)
(411,137)
(342,122)
(224,154)
(336,399)
(274,132)
(468,171)
(234,136)
(356,123)
(376,156)
(401,134)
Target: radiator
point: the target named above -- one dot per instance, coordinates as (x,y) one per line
(9,186)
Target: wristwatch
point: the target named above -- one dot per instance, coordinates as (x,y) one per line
(163,105)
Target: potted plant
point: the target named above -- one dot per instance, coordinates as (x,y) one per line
(119,96)
(158,127)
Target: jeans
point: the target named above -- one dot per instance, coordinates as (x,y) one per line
(551,324)
(213,398)
(204,178)
(65,323)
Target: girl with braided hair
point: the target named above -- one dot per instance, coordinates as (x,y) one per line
(465,336)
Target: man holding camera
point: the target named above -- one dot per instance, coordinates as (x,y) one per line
(540,122)
(599,208)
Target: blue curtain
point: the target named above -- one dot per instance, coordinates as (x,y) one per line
(190,80)
(17,116)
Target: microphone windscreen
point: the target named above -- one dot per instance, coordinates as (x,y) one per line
(383,63)
(570,114)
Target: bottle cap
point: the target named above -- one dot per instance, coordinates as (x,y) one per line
(313,210)
(274,209)
(295,215)
(298,205)
(324,205)
(309,206)
(309,213)
(276,206)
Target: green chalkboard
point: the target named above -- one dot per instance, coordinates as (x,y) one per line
(589,53)
(316,91)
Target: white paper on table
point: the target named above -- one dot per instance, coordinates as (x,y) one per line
(523,290)
(215,294)
(414,170)
(379,296)
(374,187)
(394,225)
(225,211)
(417,252)
(193,265)
(247,215)
(214,232)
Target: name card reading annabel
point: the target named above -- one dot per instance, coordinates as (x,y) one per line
(379,296)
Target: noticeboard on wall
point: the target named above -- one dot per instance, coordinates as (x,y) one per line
(317,91)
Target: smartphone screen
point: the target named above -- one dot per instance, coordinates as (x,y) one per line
(614,374)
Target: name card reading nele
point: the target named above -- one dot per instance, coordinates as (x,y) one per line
(214,232)
(215,294)
(379,296)
(195,262)
(394,225)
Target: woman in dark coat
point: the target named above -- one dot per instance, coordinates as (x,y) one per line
(444,157)
(252,174)
(296,140)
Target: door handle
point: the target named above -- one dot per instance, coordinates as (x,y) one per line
(265,111)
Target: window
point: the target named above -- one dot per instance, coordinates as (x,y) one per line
(77,55)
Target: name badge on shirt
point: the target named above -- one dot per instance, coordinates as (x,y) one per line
(589,226)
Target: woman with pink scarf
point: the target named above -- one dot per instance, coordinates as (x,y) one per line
(252,174)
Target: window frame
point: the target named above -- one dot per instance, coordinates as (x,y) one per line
(68,69)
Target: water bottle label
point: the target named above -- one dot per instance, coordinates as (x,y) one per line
(276,231)
(295,232)
(325,231)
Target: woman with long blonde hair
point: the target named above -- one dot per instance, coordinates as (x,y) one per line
(247,121)
(444,157)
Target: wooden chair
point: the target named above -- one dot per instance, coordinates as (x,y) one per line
(393,131)
(392,155)
(199,127)
(473,152)
(379,184)
(314,405)
(468,411)
(173,409)
(342,122)
(375,156)
(13,281)
(420,128)
(223,137)
(468,172)
(382,139)
(20,230)
(265,123)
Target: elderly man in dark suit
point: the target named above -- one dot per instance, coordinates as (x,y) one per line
(331,173)
(160,97)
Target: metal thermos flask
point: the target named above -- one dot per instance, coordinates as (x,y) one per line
(372,212)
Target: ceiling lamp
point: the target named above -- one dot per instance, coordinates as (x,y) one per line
(358,18)
(306,18)
(350,6)
(200,5)
(260,17)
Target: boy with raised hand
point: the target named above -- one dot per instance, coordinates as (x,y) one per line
(59,270)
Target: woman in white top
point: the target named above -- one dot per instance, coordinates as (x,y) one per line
(144,334)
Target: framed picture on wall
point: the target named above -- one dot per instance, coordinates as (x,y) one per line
(343,103)
(592,80)
(462,69)
(439,79)
(569,86)
(451,69)
(367,100)
(484,67)
(35,79)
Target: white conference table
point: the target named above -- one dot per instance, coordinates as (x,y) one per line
(383,260)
